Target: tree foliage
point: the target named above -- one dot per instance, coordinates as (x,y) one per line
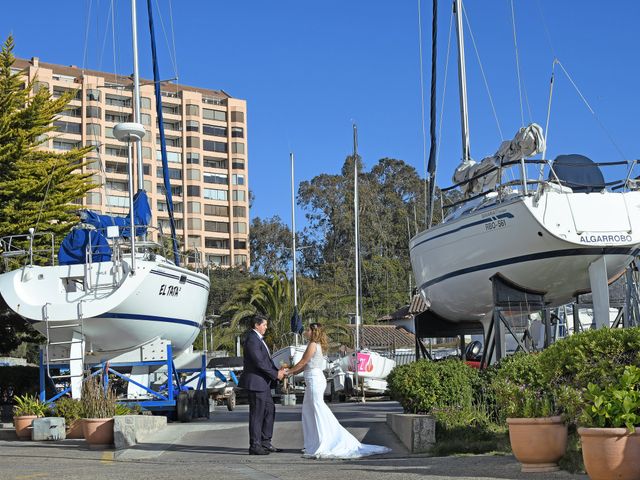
(270,242)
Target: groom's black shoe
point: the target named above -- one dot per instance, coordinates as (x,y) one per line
(271,448)
(258,451)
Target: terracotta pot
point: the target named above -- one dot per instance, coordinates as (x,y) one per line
(98,432)
(74,429)
(538,443)
(610,453)
(23,426)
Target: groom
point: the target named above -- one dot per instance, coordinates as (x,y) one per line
(258,374)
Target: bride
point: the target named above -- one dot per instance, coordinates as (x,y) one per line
(324,437)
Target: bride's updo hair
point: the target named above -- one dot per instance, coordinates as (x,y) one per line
(317,335)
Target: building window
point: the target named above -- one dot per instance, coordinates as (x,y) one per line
(145,118)
(93,112)
(93,129)
(93,95)
(116,117)
(116,151)
(108,132)
(94,198)
(237,147)
(146,152)
(195,242)
(214,115)
(218,178)
(117,186)
(213,162)
(237,117)
(115,201)
(193,174)
(216,210)
(193,109)
(240,212)
(65,146)
(240,244)
(176,191)
(193,207)
(194,224)
(238,196)
(237,132)
(169,141)
(220,227)
(219,260)
(68,127)
(237,164)
(170,109)
(145,102)
(237,179)
(193,191)
(221,243)
(116,167)
(193,126)
(214,130)
(211,146)
(193,158)
(213,194)
(240,260)
(173,157)
(174,173)
(75,112)
(118,101)
(239,227)
(193,142)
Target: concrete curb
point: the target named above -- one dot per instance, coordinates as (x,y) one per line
(416,432)
(128,430)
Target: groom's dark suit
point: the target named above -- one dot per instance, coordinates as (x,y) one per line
(257,375)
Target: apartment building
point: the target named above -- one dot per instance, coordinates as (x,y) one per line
(206,136)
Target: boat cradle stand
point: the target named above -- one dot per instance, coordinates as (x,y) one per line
(179,396)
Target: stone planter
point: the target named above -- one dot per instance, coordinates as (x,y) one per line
(98,432)
(610,453)
(23,426)
(416,432)
(538,443)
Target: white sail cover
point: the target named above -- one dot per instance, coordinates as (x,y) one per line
(527,142)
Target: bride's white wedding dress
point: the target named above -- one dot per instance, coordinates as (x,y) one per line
(324,437)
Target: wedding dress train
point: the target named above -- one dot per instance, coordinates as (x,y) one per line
(324,437)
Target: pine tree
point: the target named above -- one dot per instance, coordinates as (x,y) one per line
(37,187)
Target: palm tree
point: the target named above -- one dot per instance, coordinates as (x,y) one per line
(273,297)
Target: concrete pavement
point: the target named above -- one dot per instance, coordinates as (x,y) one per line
(217,449)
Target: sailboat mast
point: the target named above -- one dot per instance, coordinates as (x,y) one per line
(462,80)
(357,235)
(293,244)
(136,94)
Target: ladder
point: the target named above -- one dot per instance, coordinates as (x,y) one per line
(70,350)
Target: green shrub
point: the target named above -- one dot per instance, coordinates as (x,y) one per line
(425,386)
(519,388)
(69,408)
(128,409)
(598,357)
(616,405)
(29,405)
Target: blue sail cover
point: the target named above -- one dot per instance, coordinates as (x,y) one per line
(74,246)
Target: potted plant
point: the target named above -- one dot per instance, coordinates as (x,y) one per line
(27,408)
(71,410)
(537,433)
(98,409)
(610,441)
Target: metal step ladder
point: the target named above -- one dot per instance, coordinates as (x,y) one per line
(68,351)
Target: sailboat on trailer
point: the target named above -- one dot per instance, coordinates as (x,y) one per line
(560,236)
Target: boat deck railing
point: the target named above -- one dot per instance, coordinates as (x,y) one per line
(520,185)
(39,248)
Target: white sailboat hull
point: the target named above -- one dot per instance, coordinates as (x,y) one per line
(117,311)
(546,246)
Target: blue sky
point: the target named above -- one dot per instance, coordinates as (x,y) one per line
(308,69)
